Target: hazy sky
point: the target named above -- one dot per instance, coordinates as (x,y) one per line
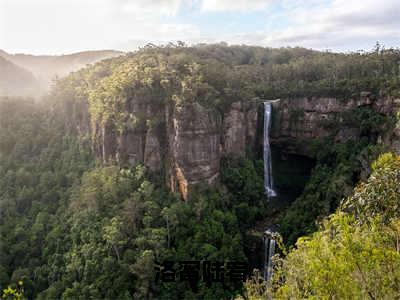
(64,26)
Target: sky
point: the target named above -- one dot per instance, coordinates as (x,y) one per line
(66,26)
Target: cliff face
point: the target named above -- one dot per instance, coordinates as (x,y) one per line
(138,141)
(239,131)
(298,122)
(194,143)
(187,141)
(198,137)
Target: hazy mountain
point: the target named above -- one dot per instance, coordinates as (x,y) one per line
(16,81)
(48,67)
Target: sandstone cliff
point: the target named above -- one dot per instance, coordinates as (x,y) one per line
(300,121)
(187,140)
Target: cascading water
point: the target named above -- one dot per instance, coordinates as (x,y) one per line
(268,182)
(269,246)
(269,236)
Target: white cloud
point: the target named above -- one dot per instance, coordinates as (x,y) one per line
(46,26)
(233,5)
(49,26)
(148,7)
(62,26)
(341,25)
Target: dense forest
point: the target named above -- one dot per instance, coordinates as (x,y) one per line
(76,226)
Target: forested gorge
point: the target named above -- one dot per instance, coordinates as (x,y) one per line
(76,226)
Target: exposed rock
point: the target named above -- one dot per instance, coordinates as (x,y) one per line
(385,105)
(251,126)
(395,139)
(138,142)
(194,143)
(234,129)
(392,140)
(109,145)
(182,182)
(297,122)
(189,139)
(347,134)
(152,156)
(131,146)
(365,99)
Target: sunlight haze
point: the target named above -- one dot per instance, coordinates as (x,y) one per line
(66,26)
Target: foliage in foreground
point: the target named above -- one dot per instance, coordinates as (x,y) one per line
(13,293)
(356,252)
(338,169)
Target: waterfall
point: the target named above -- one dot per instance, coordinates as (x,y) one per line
(269,235)
(268,183)
(269,246)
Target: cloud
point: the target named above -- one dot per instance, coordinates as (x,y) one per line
(340,25)
(233,5)
(163,34)
(148,7)
(137,23)
(62,26)
(48,26)
(172,7)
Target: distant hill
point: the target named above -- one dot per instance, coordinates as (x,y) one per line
(48,67)
(16,81)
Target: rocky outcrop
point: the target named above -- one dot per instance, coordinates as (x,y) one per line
(187,140)
(131,145)
(194,143)
(137,141)
(390,106)
(152,151)
(252,126)
(299,121)
(239,132)
(234,131)
(395,142)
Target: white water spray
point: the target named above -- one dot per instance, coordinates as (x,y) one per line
(269,246)
(268,182)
